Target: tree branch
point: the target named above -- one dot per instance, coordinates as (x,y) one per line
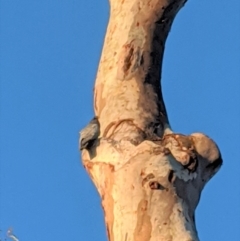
(149,179)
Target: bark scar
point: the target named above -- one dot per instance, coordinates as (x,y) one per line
(129,61)
(116,124)
(147,178)
(154,185)
(182,148)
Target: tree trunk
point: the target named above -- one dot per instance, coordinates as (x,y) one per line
(149,178)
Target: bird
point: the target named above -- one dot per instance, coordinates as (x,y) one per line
(89,134)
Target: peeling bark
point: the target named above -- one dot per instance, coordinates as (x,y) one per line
(149,178)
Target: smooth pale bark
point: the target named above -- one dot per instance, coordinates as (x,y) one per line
(149,181)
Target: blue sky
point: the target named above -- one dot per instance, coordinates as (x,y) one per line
(49,56)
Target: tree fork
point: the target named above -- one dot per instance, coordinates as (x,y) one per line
(149,178)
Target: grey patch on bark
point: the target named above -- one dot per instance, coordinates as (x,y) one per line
(215,165)
(154,130)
